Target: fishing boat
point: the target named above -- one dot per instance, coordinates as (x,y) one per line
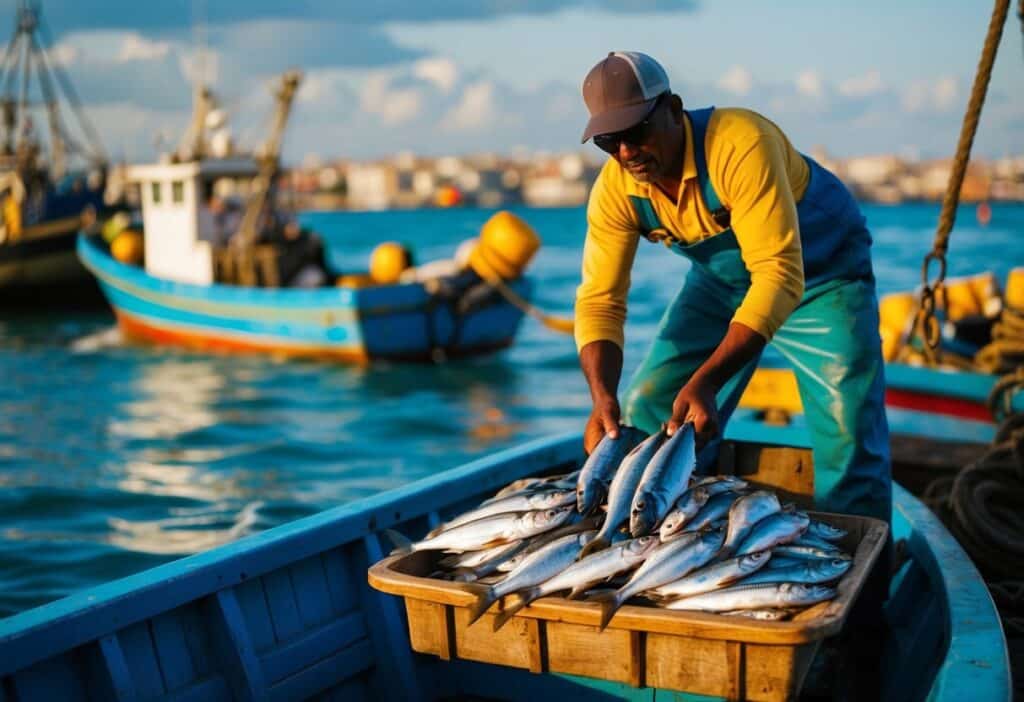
(46,197)
(200,275)
(287,614)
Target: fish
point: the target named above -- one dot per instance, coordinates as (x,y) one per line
(585,573)
(816,542)
(623,486)
(780,528)
(670,561)
(763,596)
(574,525)
(473,559)
(807,552)
(521,502)
(745,513)
(559,482)
(712,577)
(486,532)
(764,615)
(720,483)
(713,510)
(685,509)
(541,565)
(597,472)
(807,572)
(665,478)
(825,531)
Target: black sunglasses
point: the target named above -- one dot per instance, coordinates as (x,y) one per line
(638,134)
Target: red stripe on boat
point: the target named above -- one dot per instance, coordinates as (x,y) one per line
(937,404)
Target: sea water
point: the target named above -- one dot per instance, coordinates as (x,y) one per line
(116,458)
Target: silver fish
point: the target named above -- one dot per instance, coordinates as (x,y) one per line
(668,562)
(620,494)
(816,542)
(712,577)
(664,479)
(807,552)
(763,615)
(715,484)
(713,510)
(541,565)
(551,482)
(825,531)
(767,595)
(774,529)
(487,532)
(597,472)
(522,502)
(473,559)
(745,513)
(685,509)
(585,573)
(574,525)
(807,572)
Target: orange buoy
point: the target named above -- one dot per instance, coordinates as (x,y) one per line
(984,213)
(448,196)
(127,247)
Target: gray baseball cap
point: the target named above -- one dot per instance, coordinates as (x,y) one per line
(620,91)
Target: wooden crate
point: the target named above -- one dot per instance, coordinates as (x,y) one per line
(649,646)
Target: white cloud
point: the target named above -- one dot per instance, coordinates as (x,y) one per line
(442,72)
(475,109)
(945,93)
(861,86)
(939,95)
(809,83)
(135,47)
(393,106)
(737,80)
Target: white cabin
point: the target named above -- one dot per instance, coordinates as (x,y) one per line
(174,207)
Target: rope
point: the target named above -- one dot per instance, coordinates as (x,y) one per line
(563,325)
(1005,353)
(981,507)
(933,293)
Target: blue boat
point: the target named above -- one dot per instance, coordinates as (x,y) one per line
(287,614)
(398,322)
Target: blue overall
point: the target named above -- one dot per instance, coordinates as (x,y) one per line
(831,340)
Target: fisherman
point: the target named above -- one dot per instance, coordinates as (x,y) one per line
(780,253)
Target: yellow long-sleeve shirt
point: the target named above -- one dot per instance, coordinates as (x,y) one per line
(758,176)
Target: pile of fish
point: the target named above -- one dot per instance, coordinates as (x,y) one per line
(634,522)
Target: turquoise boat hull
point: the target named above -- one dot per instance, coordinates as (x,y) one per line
(393,322)
(287,615)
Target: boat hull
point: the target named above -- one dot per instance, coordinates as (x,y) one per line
(399,322)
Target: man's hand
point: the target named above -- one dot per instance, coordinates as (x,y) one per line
(604,419)
(696,403)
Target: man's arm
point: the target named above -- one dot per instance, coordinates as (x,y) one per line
(601,362)
(696,401)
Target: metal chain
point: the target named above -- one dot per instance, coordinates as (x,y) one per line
(933,292)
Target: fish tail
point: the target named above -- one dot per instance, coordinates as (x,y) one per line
(402,543)
(594,546)
(609,602)
(485,597)
(525,597)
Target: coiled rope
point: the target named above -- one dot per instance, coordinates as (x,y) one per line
(933,291)
(981,506)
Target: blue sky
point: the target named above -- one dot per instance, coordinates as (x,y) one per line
(503,75)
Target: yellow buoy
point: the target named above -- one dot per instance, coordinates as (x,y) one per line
(896,313)
(1015,289)
(504,248)
(127,247)
(387,262)
(354,280)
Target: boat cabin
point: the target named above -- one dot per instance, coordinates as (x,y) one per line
(176,212)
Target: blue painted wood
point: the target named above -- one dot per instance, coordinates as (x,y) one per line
(339,581)
(293,657)
(326,673)
(209,690)
(54,679)
(312,596)
(252,600)
(118,672)
(353,690)
(234,650)
(172,651)
(139,653)
(284,610)
(197,638)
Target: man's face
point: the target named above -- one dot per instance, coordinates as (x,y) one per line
(651,149)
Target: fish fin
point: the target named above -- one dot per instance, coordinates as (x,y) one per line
(464,575)
(485,597)
(525,597)
(576,592)
(609,602)
(594,546)
(402,543)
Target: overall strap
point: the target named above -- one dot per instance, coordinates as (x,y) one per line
(650,225)
(699,120)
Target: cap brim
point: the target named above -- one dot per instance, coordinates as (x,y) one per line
(618,119)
